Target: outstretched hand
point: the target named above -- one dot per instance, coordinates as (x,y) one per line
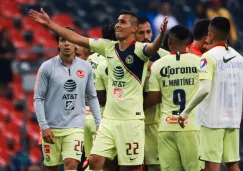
(163,26)
(40,17)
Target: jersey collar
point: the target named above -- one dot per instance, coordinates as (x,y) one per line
(60,60)
(174,53)
(223,45)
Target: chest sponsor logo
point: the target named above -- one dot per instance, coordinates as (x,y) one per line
(70,85)
(117,94)
(70,105)
(80,73)
(118,72)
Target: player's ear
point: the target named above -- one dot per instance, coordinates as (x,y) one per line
(169,42)
(134,29)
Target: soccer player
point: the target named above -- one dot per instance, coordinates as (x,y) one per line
(220,98)
(200,32)
(62,85)
(121,131)
(174,80)
(152,115)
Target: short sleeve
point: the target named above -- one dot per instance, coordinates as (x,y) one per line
(98,45)
(140,51)
(163,52)
(207,67)
(153,80)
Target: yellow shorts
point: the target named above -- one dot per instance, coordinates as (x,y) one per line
(68,146)
(151,144)
(179,150)
(89,134)
(219,144)
(124,138)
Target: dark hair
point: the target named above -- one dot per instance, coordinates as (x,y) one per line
(129,13)
(180,32)
(134,18)
(142,20)
(67,27)
(200,29)
(165,44)
(221,23)
(108,32)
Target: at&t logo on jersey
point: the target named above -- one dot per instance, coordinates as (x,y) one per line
(70,85)
(118,73)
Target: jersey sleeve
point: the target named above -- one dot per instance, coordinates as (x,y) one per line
(207,67)
(41,85)
(153,80)
(98,80)
(163,52)
(140,51)
(98,45)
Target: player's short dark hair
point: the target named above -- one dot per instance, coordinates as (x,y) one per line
(108,32)
(143,20)
(134,18)
(180,32)
(200,29)
(221,23)
(67,27)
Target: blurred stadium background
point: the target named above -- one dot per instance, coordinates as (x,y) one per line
(24,45)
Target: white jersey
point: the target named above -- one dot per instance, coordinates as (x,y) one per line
(222,108)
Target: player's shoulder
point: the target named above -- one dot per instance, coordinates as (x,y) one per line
(83,63)
(50,63)
(162,52)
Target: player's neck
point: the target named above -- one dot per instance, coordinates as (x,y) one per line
(197,43)
(178,49)
(215,43)
(124,44)
(67,60)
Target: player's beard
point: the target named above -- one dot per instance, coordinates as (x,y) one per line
(146,41)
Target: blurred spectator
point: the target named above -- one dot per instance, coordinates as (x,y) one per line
(217,10)
(165,10)
(200,11)
(7,54)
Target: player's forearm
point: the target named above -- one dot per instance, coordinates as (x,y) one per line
(40,113)
(200,95)
(93,103)
(69,35)
(153,47)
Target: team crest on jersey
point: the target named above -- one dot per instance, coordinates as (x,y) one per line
(203,63)
(48,158)
(129,59)
(80,73)
(117,93)
(70,105)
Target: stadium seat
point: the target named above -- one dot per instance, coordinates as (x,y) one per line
(29,24)
(6,106)
(35,154)
(33,131)
(10,8)
(30,103)
(94,33)
(63,20)
(5,23)
(4,157)
(16,38)
(17,118)
(27,2)
(18,91)
(25,53)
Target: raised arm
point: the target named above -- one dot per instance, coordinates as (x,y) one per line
(153,47)
(42,18)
